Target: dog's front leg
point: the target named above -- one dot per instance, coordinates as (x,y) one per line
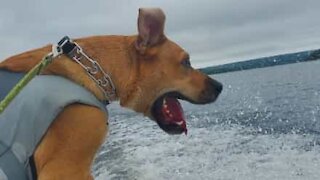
(70,144)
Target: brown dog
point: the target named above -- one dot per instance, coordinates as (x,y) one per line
(150,73)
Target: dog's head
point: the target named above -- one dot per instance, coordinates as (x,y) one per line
(166,75)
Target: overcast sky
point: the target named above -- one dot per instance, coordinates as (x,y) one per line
(212,31)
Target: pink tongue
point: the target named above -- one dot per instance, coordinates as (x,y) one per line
(173,112)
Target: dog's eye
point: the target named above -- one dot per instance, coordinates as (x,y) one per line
(186,63)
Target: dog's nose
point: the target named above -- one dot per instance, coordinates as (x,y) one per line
(218,86)
(211,92)
(215,85)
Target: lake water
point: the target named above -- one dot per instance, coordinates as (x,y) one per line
(265,125)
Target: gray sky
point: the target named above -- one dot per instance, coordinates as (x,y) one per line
(212,31)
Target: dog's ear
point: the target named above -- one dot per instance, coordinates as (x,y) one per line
(150,27)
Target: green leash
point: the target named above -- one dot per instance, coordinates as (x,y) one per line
(25,80)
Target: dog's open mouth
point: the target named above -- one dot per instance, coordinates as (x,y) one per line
(168,113)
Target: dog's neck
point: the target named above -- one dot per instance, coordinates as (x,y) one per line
(115,54)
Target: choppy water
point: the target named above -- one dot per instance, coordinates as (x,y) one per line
(265,125)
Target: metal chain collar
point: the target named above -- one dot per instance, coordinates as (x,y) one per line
(92,67)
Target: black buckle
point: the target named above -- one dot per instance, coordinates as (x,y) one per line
(66,45)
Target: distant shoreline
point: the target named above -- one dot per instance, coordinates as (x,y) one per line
(282,59)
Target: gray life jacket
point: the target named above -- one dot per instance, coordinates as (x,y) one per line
(25,121)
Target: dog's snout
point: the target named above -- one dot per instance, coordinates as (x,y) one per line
(211,91)
(214,85)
